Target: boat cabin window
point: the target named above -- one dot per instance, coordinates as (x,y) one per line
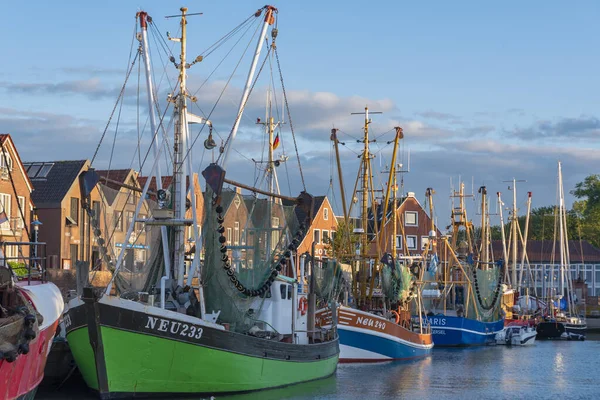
(286,292)
(282,291)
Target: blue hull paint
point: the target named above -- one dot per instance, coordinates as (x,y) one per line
(386,348)
(448,331)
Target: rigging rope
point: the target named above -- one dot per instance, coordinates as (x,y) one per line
(245,102)
(287,106)
(114,109)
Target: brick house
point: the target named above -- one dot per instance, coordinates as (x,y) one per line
(237,223)
(15,202)
(66,226)
(120,203)
(267,222)
(412,219)
(321,227)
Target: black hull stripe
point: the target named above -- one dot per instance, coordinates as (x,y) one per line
(137,322)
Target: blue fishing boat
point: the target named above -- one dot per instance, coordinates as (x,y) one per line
(467,287)
(452,331)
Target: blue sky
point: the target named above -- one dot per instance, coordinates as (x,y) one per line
(485,91)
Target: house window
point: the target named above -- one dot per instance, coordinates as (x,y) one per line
(96,208)
(129,218)
(411,218)
(6,162)
(411,242)
(317,236)
(118,220)
(326,214)
(424,242)
(5,203)
(45,170)
(11,253)
(325,236)
(229,236)
(33,169)
(73,250)
(398,242)
(236,233)
(131,198)
(22,213)
(139,226)
(74,214)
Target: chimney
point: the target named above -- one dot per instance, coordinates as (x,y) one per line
(238,190)
(410,194)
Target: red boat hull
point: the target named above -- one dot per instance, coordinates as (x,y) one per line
(20,379)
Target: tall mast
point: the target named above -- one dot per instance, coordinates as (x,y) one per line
(391,182)
(429,193)
(561,205)
(270,126)
(336,142)
(364,242)
(180,148)
(144,19)
(504,248)
(269,20)
(524,241)
(514,235)
(484,244)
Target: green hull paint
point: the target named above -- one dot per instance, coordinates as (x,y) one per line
(137,363)
(79,342)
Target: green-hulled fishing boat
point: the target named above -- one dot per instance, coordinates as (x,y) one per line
(235,319)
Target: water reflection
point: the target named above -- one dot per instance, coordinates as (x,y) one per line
(551,369)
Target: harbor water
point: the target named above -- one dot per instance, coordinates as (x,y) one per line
(546,370)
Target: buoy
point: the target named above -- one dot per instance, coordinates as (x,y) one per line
(303,305)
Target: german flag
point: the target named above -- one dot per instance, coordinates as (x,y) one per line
(276,142)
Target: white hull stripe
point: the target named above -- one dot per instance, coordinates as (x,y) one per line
(465,330)
(385,336)
(350,352)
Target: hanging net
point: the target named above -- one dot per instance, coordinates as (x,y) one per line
(143,262)
(487,292)
(396,281)
(240,264)
(328,280)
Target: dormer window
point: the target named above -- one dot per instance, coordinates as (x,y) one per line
(411,218)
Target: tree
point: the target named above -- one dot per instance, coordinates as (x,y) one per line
(588,208)
(342,245)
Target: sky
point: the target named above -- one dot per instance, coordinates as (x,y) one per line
(484,92)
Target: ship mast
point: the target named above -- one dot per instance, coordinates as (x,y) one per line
(484,237)
(365,192)
(270,126)
(145,49)
(269,20)
(180,147)
(514,234)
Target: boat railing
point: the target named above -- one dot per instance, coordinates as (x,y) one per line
(29,263)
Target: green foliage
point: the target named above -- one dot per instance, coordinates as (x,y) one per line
(583,220)
(19,268)
(588,208)
(342,245)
